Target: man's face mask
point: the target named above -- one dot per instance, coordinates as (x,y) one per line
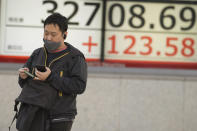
(51,46)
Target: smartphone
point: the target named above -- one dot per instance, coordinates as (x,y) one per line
(29,74)
(41,68)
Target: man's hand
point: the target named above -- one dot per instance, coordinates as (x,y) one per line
(42,76)
(22,73)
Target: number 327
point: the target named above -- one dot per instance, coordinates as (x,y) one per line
(75,10)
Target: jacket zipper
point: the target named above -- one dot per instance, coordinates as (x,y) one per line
(61,72)
(53,59)
(61,120)
(61,75)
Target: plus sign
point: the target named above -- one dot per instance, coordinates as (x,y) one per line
(90,44)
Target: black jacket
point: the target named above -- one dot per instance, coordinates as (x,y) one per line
(58,93)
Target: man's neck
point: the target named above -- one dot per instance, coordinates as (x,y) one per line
(61,48)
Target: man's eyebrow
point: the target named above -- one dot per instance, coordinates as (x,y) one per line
(53,32)
(50,32)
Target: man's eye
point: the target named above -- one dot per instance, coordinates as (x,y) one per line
(53,35)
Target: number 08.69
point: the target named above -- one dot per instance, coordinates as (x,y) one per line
(167,18)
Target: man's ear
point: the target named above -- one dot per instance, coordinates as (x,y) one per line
(65,34)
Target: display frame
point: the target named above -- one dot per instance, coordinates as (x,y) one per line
(125,63)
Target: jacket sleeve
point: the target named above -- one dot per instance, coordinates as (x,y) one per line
(76,82)
(28,64)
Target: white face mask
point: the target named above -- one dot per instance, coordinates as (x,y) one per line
(51,46)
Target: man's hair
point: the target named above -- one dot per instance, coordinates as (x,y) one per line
(58,19)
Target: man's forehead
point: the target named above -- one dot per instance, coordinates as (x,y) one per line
(52,27)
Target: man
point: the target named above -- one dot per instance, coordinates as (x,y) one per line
(48,100)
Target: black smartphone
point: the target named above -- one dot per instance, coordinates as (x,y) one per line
(41,68)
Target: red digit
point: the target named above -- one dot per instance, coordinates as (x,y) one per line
(170,45)
(113,50)
(127,51)
(189,47)
(148,45)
